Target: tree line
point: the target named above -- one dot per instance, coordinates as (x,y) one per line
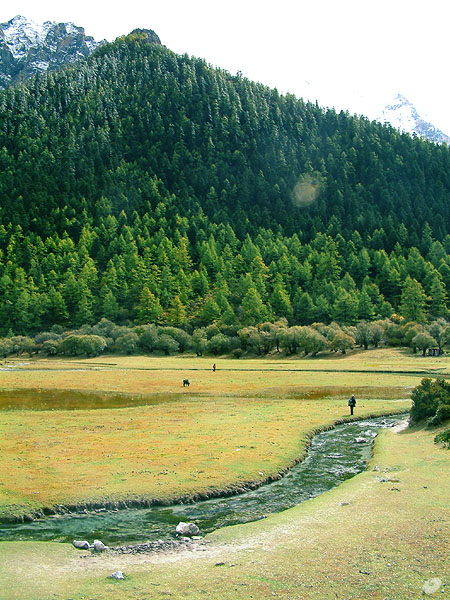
(127,274)
(262,340)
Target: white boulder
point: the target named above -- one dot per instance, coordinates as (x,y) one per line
(117,575)
(99,546)
(81,544)
(187,529)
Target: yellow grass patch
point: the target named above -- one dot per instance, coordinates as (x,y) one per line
(366,539)
(250,416)
(160,451)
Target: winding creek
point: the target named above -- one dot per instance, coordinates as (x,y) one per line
(333,457)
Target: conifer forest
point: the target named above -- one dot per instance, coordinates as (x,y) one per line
(149,201)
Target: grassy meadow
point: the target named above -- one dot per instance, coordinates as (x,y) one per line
(151,438)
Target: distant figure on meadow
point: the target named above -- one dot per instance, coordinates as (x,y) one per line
(214,367)
(352,403)
(186,382)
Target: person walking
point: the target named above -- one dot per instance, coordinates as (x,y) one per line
(352,403)
(214,367)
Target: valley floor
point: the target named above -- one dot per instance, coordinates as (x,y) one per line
(381,535)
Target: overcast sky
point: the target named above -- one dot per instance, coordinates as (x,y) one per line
(345,48)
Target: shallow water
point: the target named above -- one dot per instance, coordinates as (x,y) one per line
(32,399)
(333,457)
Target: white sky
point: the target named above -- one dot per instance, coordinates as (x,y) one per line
(347,48)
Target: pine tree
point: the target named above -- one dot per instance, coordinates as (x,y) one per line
(56,308)
(149,309)
(304,309)
(413,301)
(84,314)
(365,306)
(322,309)
(22,314)
(345,309)
(438,299)
(110,306)
(280,302)
(253,308)
(176,314)
(210,312)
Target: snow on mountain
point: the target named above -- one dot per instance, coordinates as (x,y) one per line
(403,115)
(27,47)
(21,34)
(379,105)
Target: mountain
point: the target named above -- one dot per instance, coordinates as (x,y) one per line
(27,48)
(401,113)
(148,187)
(382,106)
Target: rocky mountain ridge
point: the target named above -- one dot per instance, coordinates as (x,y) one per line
(27,47)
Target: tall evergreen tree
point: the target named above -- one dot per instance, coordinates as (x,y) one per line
(413,301)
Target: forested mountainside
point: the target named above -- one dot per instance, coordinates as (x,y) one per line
(142,185)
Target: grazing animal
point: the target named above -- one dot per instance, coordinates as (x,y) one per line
(186,382)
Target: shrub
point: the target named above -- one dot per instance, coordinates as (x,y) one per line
(148,337)
(50,347)
(443,438)
(290,338)
(368,333)
(311,341)
(424,401)
(104,328)
(119,331)
(179,335)
(58,329)
(237,353)
(423,341)
(167,344)
(342,341)
(219,344)
(127,343)
(212,330)
(428,397)
(94,345)
(251,339)
(76,345)
(40,338)
(199,341)
(6,347)
(21,344)
(393,333)
(442,414)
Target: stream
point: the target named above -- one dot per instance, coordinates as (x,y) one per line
(333,457)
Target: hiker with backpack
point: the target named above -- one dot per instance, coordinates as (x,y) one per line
(352,403)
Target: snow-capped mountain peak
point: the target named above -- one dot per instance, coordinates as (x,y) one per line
(20,34)
(402,114)
(27,47)
(376,104)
